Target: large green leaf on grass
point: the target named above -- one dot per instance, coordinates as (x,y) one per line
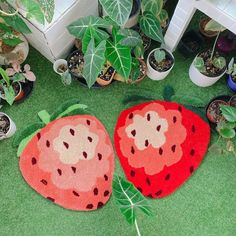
(47,7)
(118,10)
(78,27)
(120,58)
(151,26)
(16,23)
(129,199)
(153,6)
(33,10)
(188,100)
(94,59)
(229,113)
(131,38)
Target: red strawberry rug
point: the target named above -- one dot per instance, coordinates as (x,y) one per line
(70,162)
(160,145)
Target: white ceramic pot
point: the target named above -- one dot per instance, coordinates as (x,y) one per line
(200,79)
(154,74)
(12,128)
(57,63)
(19,53)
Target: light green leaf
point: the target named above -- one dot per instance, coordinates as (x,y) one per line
(44,116)
(159,55)
(227,133)
(78,27)
(9,94)
(118,10)
(16,23)
(163,16)
(12,41)
(139,51)
(129,199)
(199,64)
(216,149)
(131,38)
(214,26)
(47,7)
(219,62)
(94,59)
(18,77)
(151,27)
(228,112)
(72,108)
(153,6)
(120,58)
(33,10)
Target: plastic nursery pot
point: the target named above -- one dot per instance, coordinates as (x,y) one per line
(190,43)
(200,79)
(155,74)
(60,66)
(18,53)
(213,111)
(10,130)
(19,95)
(231,83)
(206,33)
(101,80)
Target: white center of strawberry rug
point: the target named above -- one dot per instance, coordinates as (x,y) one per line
(71,162)
(159,145)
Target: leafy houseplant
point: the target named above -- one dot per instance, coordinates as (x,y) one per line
(12,25)
(7,126)
(226,129)
(208,67)
(231,75)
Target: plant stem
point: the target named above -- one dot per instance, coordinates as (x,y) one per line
(136,226)
(214,46)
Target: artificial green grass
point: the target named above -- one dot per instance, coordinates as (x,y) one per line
(204,205)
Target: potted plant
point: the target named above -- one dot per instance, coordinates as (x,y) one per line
(13,45)
(231,75)
(7,126)
(208,67)
(208,33)
(99,48)
(106,76)
(226,130)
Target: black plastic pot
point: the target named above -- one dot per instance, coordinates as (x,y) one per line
(190,43)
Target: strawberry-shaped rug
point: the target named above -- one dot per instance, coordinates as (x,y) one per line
(68,159)
(160,145)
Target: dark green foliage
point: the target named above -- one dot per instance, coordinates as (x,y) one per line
(168,92)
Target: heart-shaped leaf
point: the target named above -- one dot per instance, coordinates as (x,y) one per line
(153,6)
(131,38)
(227,133)
(118,10)
(94,59)
(228,112)
(151,26)
(47,7)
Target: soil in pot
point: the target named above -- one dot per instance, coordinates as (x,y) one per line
(211,70)
(214,114)
(76,63)
(61,68)
(4,125)
(164,65)
(106,75)
(143,71)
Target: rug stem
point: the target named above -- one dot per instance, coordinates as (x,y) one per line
(136,226)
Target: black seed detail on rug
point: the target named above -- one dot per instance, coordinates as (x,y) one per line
(73,169)
(105,177)
(131,115)
(43,181)
(95,191)
(51,199)
(167,177)
(89,206)
(33,161)
(148,181)
(75,193)
(59,171)
(72,132)
(99,156)
(100,204)
(158,193)
(132,173)
(106,193)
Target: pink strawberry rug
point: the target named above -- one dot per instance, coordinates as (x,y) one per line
(70,162)
(160,145)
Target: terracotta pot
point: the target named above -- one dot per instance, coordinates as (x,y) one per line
(18,53)
(206,33)
(103,82)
